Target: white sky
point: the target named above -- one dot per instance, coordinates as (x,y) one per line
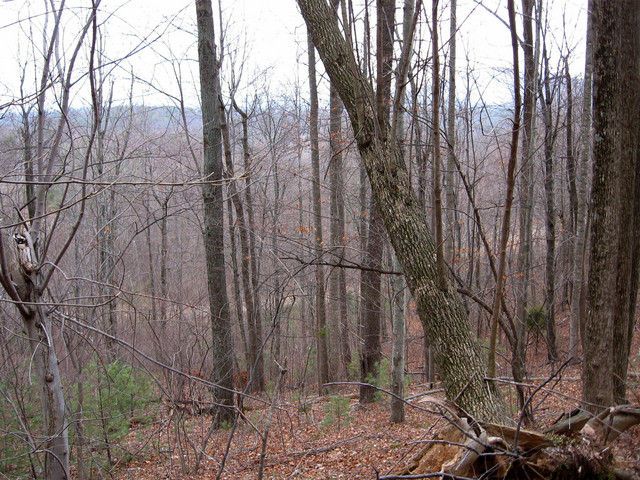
(271,32)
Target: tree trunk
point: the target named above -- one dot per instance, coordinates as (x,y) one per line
(498,298)
(242,276)
(523,271)
(437,156)
(371,279)
(397,352)
(253,280)
(398,282)
(338,238)
(569,259)
(453,230)
(579,247)
(338,283)
(254,344)
(546,102)
(221,347)
(458,355)
(322,332)
(25,269)
(616,103)
(18,259)
(370,307)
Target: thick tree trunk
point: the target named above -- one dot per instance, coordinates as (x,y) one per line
(458,355)
(20,280)
(616,103)
(221,347)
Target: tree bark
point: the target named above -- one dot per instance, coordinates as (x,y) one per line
(221,347)
(437,155)
(322,333)
(498,299)
(338,279)
(371,279)
(453,230)
(616,103)
(546,102)
(578,293)
(338,283)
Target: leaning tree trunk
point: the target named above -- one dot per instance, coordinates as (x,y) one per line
(458,354)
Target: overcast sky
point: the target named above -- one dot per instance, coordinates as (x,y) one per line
(268,33)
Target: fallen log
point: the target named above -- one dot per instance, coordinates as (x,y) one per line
(575,447)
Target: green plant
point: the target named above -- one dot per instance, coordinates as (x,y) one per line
(19,418)
(115,396)
(536,318)
(336,411)
(353,367)
(226,425)
(381,379)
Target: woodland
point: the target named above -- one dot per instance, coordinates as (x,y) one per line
(380,271)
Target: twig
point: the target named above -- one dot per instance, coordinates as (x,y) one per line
(272,408)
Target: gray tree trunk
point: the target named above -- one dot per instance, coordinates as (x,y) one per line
(338,284)
(550,134)
(221,347)
(578,294)
(398,282)
(25,268)
(616,104)
(523,269)
(322,332)
(253,281)
(453,227)
(371,278)
(338,279)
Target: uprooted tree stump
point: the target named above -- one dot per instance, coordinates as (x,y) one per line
(576,447)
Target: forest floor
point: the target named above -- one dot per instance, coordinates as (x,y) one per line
(333,437)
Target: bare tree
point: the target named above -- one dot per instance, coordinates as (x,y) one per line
(29,256)
(213,215)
